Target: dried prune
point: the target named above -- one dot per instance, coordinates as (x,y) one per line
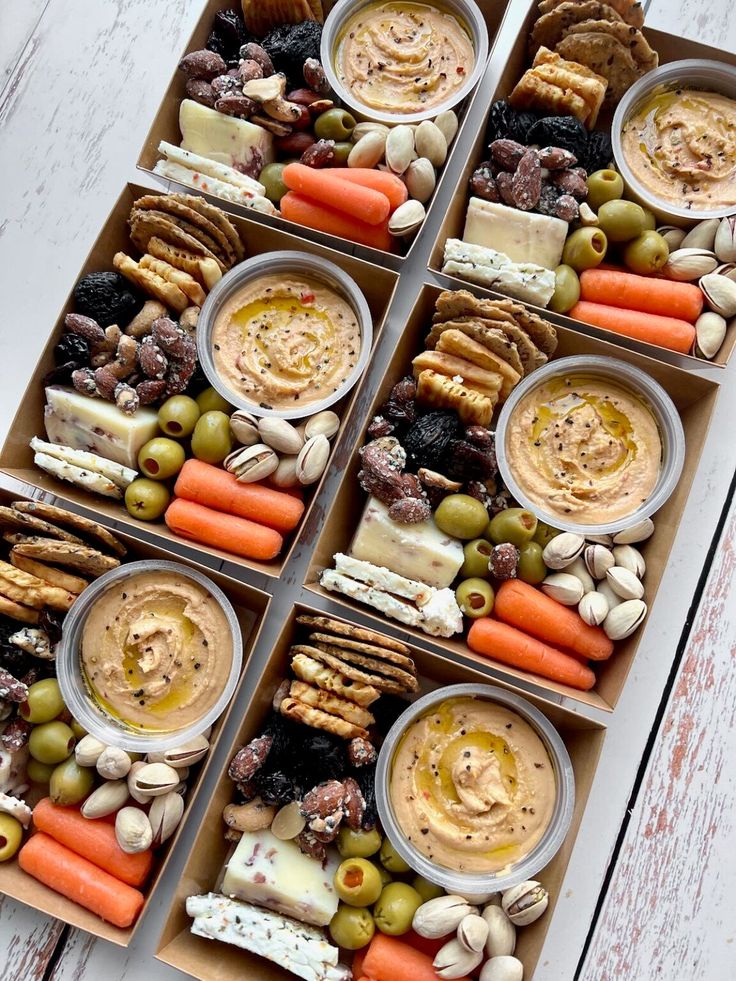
(428,439)
(51,622)
(276,787)
(467,461)
(506,123)
(599,151)
(72,347)
(107,298)
(365,777)
(227,35)
(560,131)
(290,45)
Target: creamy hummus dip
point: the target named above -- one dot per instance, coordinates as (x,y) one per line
(472,786)
(403,57)
(285,343)
(584,449)
(681,147)
(157,651)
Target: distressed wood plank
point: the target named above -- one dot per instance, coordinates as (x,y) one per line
(27,940)
(668,912)
(710,21)
(19,21)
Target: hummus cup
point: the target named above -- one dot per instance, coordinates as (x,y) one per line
(470,17)
(465,883)
(648,391)
(285,264)
(75,688)
(694,73)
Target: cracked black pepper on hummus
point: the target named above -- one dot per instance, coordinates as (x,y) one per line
(285,342)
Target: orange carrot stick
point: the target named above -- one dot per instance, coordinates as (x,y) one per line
(358,201)
(521,605)
(187,519)
(93,839)
(390,959)
(511,646)
(676,335)
(218,489)
(379,180)
(66,872)
(310,214)
(616,288)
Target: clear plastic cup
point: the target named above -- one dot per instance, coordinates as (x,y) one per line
(74,686)
(469,15)
(644,388)
(466,883)
(285,264)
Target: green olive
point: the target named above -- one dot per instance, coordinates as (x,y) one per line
(335,124)
(621,220)
(272,178)
(212,439)
(11,835)
(646,254)
(43,702)
(396,907)
(585,248)
(515,525)
(342,152)
(650,220)
(70,783)
(351,928)
(79,731)
(39,772)
(531,567)
(475,597)
(604,185)
(567,289)
(426,889)
(391,859)
(210,400)
(461,516)
(51,742)
(544,534)
(477,553)
(178,415)
(357,882)
(358,844)
(146,499)
(384,873)
(161,458)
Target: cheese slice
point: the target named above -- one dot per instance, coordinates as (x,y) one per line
(225,139)
(520,235)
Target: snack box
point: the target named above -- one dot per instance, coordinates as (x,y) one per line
(695,399)
(670,48)
(251,606)
(165,126)
(208,961)
(16,456)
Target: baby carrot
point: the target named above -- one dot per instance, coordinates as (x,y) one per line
(218,489)
(379,180)
(511,646)
(390,959)
(62,870)
(304,211)
(615,288)
(676,335)
(226,531)
(521,605)
(93,839)
(360,202)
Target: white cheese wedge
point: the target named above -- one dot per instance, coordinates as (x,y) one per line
(97,426)
(420,551)
(525,281)
(300,949)
(275,874)
(226,139)
(211,185)
(520,235)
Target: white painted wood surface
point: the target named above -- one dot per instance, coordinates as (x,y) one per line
(81,86)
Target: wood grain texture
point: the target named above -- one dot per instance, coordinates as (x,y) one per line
(18,21)
(712,22)
(27,941)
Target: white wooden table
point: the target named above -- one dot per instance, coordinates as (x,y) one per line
(649,891)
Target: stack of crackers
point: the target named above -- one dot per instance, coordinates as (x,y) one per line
(187,245)
(340,671)
(585,52)
(53,556)
(477,350)
(261,16)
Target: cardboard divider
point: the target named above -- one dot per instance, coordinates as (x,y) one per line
(670,48)
(251,606)
(165,127)
(16,457)
(213,961)
(695,399)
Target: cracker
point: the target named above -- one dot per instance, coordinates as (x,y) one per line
(479,379)
(369,649)
(85,526)
(144,225)
(550,28)
(298,711)
(353,632)
(533,93)
(26,589)
(350,671)
(186,283)
(630,10)
(333,704)
(306,668)
(463,346)
(440,392)
(205,271)
(461,303)
(217,217)
(541,332)
(606,56)
(381,669)
(645,57)
(87,560)
(54,577)
(10,518)
(151,282)
(17,611)
(191,220)
(492,338)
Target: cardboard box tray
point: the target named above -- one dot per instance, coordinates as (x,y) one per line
(251,606)
(670,48)
(16,456)
(695,399)
(213,961)
(165,127)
